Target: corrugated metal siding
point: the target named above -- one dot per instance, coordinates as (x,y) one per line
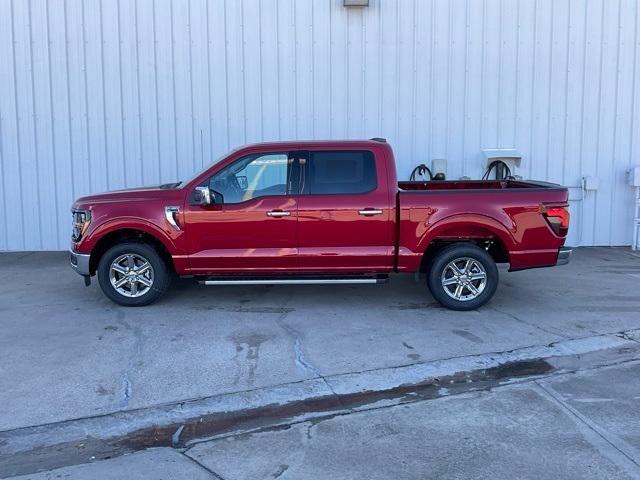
(98,95)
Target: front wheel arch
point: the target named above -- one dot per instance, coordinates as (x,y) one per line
(126,235)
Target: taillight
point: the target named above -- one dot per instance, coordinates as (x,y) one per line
(558,219)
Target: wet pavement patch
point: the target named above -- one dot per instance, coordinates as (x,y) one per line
(216,424)
(523,368)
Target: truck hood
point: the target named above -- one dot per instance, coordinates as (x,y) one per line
(128,194)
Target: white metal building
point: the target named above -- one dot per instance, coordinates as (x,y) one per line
(105,94)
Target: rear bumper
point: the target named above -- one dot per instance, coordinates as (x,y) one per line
(80,262)
(564,255)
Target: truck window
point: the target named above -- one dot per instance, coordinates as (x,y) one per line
(251,177)
(340,172)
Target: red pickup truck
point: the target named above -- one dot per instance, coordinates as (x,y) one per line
(317,212)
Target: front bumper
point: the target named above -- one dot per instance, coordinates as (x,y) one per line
(80,263)
(564,255)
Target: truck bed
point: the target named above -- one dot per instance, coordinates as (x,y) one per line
(507,213)
(473,185)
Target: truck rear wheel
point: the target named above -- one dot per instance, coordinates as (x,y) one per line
(133,274)
(463,277)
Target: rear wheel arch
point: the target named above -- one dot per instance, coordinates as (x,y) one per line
(493,245)
(484,232)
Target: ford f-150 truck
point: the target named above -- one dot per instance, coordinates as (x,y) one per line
(317,212)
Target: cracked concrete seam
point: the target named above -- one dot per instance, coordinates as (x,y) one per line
(302,361)
(298,350)
(627,455)
(126,386)
(524,322)
(203,467)
(125,391)
(631,335)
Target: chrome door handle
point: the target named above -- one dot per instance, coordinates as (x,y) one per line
(370,211)
(278,214)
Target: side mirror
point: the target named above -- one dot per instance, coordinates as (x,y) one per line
(202,196)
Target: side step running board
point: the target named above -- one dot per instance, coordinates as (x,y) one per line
(294,280)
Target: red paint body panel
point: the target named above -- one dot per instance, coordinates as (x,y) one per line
(335,237)
(326,233)
(241,237)
(510,215)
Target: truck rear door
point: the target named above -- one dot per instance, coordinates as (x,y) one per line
(344,212)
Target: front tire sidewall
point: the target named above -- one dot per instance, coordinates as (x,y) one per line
(161,280)
(457,251)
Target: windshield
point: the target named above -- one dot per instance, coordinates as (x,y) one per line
(200,172)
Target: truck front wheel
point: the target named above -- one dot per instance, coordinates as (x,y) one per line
(133,274)
(463,277)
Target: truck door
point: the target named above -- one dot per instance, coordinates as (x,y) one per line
(344,212)
(252,226)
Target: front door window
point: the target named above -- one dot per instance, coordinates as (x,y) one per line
(259,175)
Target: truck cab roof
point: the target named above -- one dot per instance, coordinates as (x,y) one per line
(330,144)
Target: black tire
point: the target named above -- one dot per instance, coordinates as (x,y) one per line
(463,252)
(160,274)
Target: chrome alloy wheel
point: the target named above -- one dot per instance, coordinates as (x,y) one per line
(131,275)
(464,279)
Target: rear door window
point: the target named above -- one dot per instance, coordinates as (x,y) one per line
(339,172)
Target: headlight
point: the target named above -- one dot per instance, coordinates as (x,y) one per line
(81,221)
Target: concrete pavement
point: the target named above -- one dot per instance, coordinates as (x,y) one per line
(67,353)
(519,431)
(154,463)
(573,426)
